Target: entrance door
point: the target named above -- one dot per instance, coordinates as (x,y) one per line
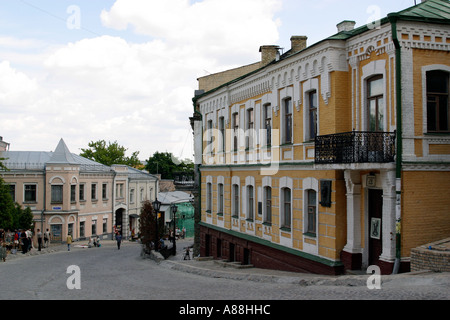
(375,225)
(56,232)
(207,245)
(231,253)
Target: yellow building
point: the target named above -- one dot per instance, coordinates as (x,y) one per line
(334,156)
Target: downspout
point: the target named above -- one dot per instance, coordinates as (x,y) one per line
(393,18)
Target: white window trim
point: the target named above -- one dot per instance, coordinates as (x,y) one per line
(285,182)
(310,184)
(377,67)
(309,86)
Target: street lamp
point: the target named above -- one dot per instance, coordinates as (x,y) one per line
(156,207)
(174,247)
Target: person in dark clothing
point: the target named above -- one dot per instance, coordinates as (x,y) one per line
(119,240)
(24,238)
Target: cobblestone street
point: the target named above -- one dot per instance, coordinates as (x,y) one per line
(107,273)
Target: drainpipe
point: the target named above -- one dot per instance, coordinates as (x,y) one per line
(393,18)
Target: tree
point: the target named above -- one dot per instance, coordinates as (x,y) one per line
(147,226)
(110,154)
(7,209)
(166,164)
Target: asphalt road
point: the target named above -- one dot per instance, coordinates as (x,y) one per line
(107,273)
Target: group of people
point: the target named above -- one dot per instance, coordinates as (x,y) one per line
(11,241)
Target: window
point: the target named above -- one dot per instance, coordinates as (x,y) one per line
(250,128)
(311,223)
(208,197)
(81,192)
(93,191)
(287,120)
(268,123)
(222,134)
(82,225)
(235,200)
(119,190)
(105,225)
(94,227)
(30,193)
(286,208)
(141,195)
(268,204)
(220,198)
(131,195)
(437,101)
(12,191)
(210,136)
(57,194)
(250,202)
(375,103)
(104,191)
(73,193)
(312,99)
(235,123)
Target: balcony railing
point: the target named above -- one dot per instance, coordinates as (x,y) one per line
(355,147)
(184,180)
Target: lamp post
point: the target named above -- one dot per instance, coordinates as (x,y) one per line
(174,247)
(156,207)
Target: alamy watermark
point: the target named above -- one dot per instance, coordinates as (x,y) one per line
(73,22)
(74,280)
(374,281)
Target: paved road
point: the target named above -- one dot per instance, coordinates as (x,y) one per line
(110,274)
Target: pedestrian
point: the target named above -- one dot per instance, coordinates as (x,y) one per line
(39,238)
(30,239)
(3,252)
(24,241)
(69,241)
(119,240)
(46,238)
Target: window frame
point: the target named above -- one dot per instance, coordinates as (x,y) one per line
(379,109)
(288,124)
(34,191)
(437,96)
(286,209)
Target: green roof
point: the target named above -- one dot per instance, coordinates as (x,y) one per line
(428,10)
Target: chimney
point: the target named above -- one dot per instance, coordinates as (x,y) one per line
(268,54)
(346,25)
(298,43)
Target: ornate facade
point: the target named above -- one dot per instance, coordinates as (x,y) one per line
(328,157)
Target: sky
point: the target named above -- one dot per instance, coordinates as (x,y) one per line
(126,70)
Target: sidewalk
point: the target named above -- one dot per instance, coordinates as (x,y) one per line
(54,247)
(219,269)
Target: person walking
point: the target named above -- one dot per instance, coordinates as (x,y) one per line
(39,239)
(24,242)
(69,241)
(119,240)
(46,238)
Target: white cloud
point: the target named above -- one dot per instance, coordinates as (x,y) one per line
(14,85)
(223,29)
(139,94)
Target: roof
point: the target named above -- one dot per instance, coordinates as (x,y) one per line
(62,154)
(428,10)
(137,174)
(37,160)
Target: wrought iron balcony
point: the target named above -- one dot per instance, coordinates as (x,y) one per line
(184,180)
(355,147)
